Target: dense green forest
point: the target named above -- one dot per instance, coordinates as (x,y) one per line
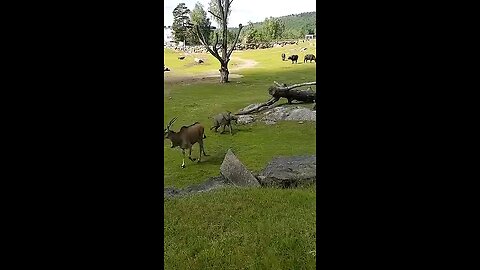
(286,27)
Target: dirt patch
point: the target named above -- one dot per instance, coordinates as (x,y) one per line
(213,76)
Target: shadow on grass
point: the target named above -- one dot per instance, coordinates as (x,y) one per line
(235,130)
(216,158)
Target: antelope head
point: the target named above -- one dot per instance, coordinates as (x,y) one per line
(167,132)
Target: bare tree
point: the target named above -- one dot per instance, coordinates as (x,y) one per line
(224,55)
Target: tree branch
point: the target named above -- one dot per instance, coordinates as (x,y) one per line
(279,85)
(204,43)
(301,84)
(215,15)
(258,107)
(240,26)
(215,45)
(220,7)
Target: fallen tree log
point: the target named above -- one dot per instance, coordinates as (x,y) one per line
(283,91)
(258,107)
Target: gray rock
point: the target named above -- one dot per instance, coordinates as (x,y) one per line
(171,192)
(212,183)
(245,119)
(236,172)
(270,122)
(302,114)
(289,113)
(275,114)
(287,172)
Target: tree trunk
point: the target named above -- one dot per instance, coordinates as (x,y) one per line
(224,74)
(283,91)
(291,94)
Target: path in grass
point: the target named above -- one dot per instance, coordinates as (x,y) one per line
(244,63)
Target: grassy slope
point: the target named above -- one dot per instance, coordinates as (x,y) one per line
(239,228)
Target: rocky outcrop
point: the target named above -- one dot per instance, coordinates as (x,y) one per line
(245,119)
(288,172)
(233,170)
(274,113)
(283,172)
(212,183)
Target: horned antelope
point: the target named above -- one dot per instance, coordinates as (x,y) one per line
(186,138)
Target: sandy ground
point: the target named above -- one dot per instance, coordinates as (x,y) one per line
(212,75)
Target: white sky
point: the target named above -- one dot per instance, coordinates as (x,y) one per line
(244,11)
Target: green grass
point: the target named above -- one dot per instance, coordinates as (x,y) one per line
(262,228)
(241,229)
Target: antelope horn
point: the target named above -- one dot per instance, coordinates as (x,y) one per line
(171,122)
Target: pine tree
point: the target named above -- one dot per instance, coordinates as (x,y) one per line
(181,16)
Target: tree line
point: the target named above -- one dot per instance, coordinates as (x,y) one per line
(271,29)
(293,26)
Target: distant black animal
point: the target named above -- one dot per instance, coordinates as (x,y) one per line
(309,57)
(165,69)
(283,57)
(181,57)
(294,58)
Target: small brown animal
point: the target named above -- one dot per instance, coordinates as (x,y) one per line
(186,138)
(224,119)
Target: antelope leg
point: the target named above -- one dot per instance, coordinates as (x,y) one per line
(183,162)
(203,150)
(200,144)
(190,155)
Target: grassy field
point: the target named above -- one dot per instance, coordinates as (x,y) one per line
(237,228)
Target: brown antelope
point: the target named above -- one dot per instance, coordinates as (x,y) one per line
(186,138)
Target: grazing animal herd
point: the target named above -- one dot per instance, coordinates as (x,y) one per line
(294,58)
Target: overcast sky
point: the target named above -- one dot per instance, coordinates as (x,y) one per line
(244,11)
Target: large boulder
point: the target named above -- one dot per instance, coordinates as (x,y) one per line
(276,114)
(287,172)
(289,113)
(236,172)
(304,114)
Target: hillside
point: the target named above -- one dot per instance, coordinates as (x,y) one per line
(296,25)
